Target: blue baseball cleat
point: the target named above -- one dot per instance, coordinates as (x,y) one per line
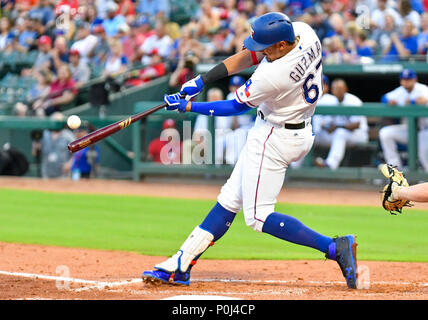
(346,257)
(159,276)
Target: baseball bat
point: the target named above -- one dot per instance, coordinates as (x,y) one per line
(106,131)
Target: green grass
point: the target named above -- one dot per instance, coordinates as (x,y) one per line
(158,226)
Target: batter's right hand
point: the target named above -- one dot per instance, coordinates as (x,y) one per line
(175,102)
(192,88)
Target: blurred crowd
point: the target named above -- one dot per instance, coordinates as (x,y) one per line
(76,40)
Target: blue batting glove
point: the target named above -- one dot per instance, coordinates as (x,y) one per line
(192,88)
(175,102)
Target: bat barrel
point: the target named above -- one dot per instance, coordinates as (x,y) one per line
(95,136)
(104,132)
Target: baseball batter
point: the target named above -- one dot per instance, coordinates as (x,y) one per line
(285,89)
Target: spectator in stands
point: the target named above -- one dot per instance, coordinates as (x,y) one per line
(44,57)
(126,8)
(187,42)
(70,6)
(401,46)
(155,70)
(296,8)
(84,41)
(116,62)
(327,7)
(221,42)
(5,27)
(140,31)
(321,26)
(335,51)
(208,19)
(39,27)
(230,11)
(61,92)
(60,53)
(45,11)
(338,23)
(261,9)
(102,8)
(27,35)
(408,14)
(124,36)
(344,131)
(159,9)
(100,51)
(83,164)
(382,35)
(361,45)
(80,71)
(11,43)
(242,30)
(160,41)
(55,154)
(377,19)
(39,91)
(185,70)
(423,36)
(113,20)
(410,92)
(167,148)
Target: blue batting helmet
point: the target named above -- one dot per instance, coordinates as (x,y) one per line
(269,29)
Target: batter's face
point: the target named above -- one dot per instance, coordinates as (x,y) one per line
(276,51)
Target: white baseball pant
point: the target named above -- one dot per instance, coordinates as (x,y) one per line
(259,173)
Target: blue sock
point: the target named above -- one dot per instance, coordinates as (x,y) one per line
(290,229)
(218,221)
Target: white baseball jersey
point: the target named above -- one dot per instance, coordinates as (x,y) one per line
(400,95)
(352,101)
(287,89)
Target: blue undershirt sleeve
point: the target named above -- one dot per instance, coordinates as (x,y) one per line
(220,108)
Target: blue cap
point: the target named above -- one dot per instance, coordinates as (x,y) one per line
(269,29)
(236,81)
(408,74)
(325,79)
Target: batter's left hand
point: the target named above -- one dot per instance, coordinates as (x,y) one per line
(175,102)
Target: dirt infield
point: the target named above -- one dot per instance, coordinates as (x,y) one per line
(42,272)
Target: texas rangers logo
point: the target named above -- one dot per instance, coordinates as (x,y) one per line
(247,87)
(252,33)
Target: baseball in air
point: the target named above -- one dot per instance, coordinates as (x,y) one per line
(73,122)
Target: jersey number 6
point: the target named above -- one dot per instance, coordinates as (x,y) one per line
(310,90)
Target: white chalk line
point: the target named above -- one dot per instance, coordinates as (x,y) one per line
(101,285)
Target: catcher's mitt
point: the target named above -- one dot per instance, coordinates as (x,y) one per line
(390,201)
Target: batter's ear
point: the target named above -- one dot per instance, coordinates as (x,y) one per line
(282,45)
